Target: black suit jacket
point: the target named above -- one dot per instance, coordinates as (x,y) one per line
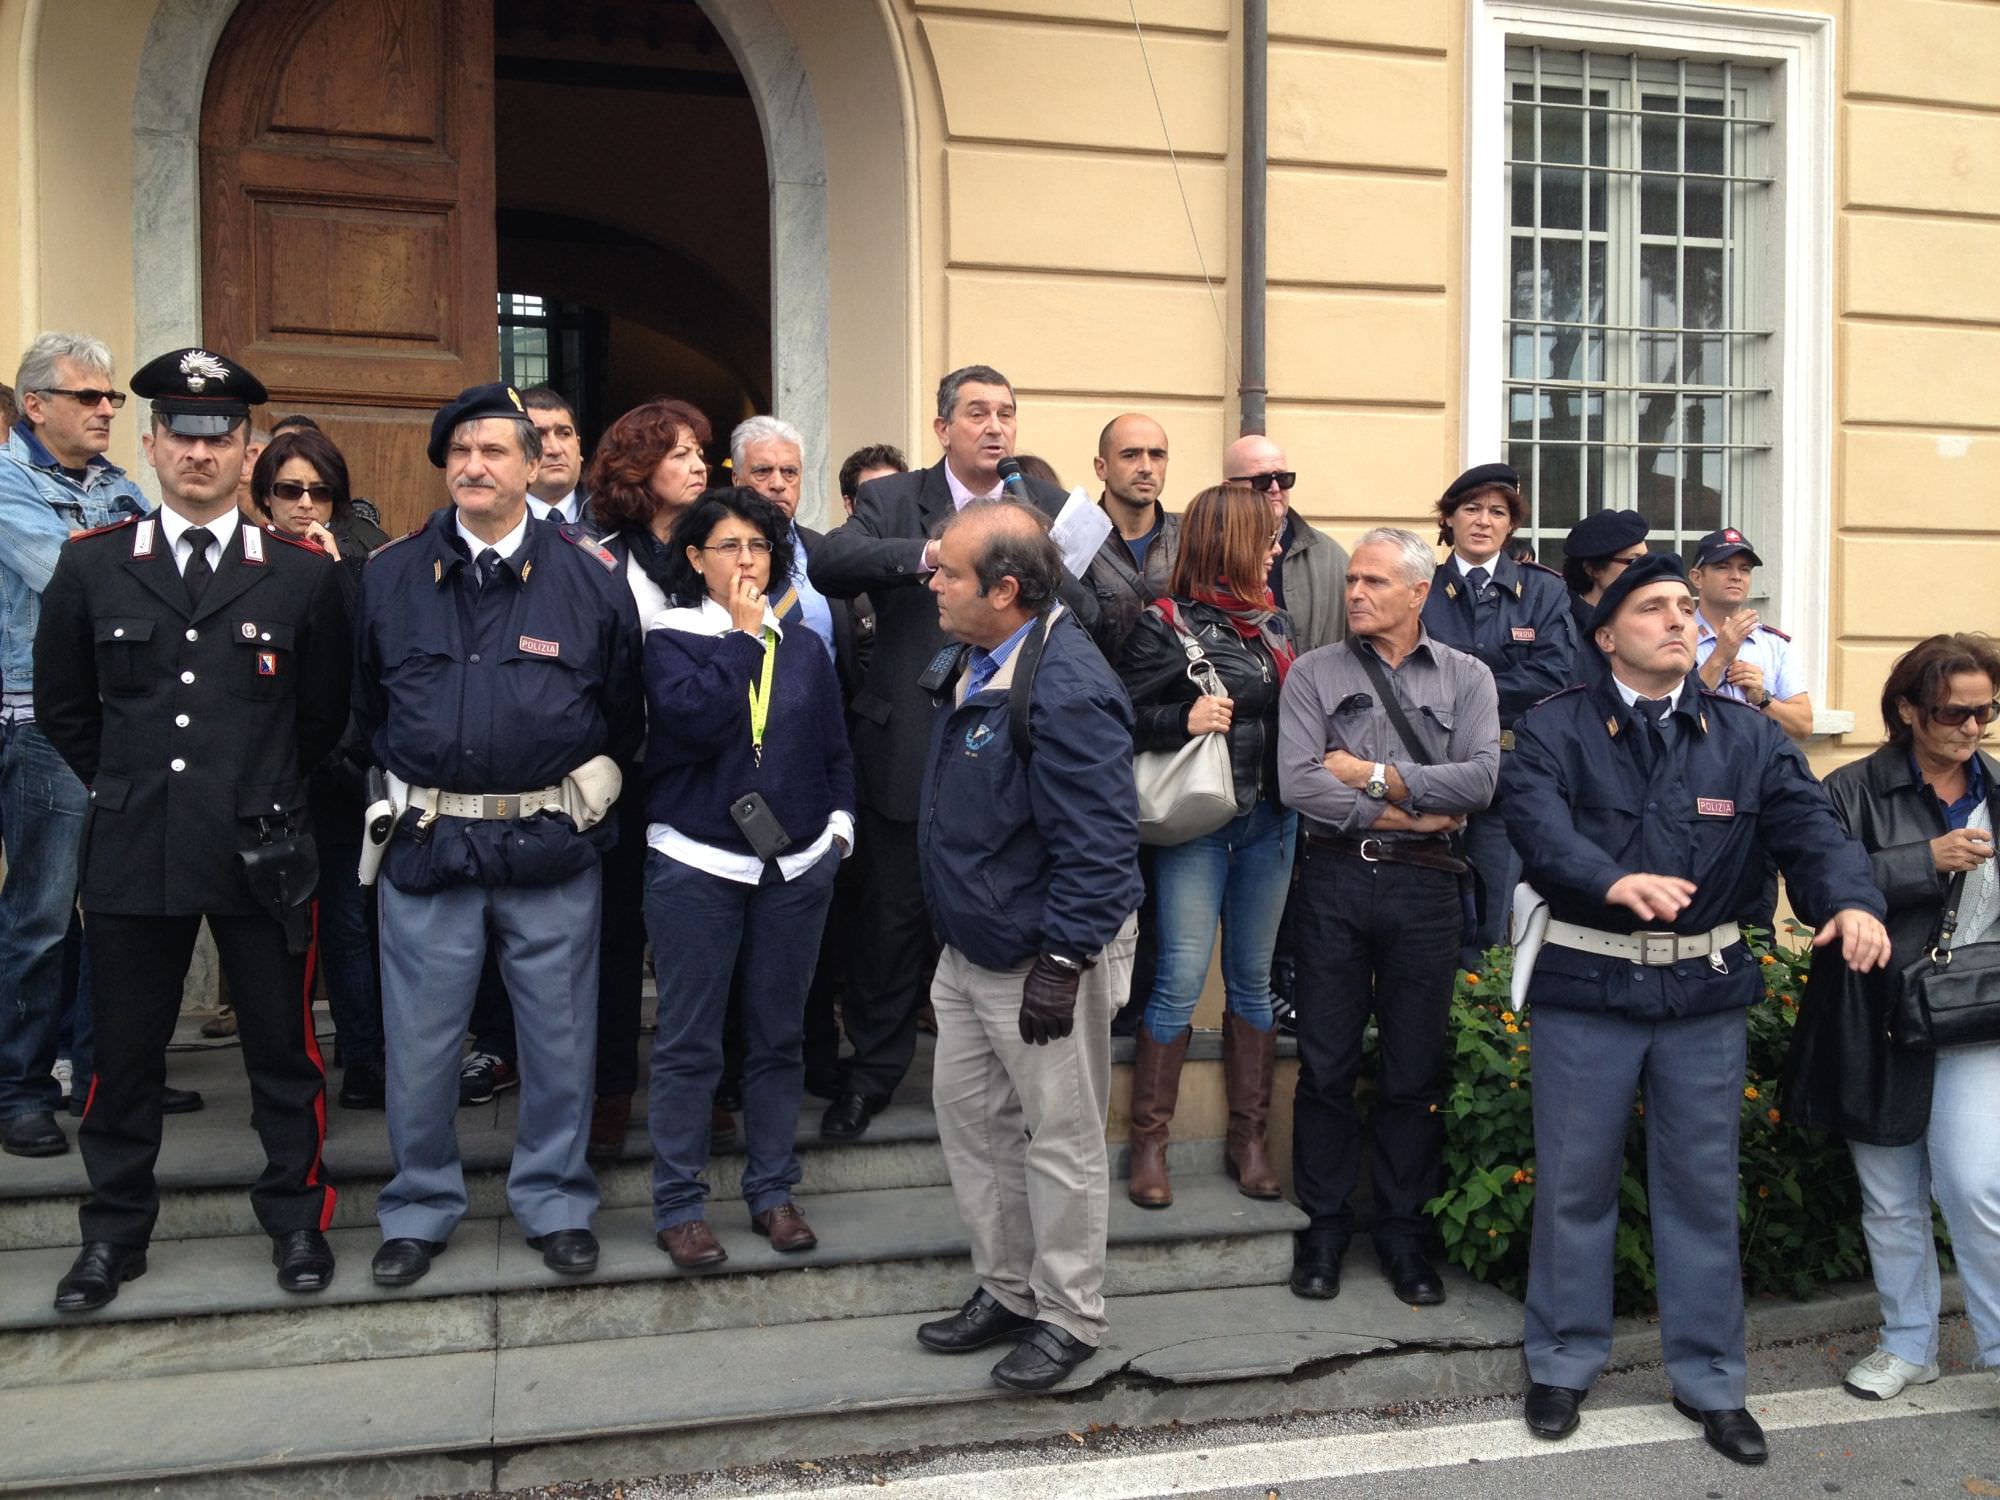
(853,624)
(879,552)
(190,725)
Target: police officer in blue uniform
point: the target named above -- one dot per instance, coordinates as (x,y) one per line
(1598,548)
(192,669)
(1643,807)
(1514,617)
(497,683)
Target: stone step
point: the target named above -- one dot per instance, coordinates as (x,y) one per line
(511,1417)
(213,1304)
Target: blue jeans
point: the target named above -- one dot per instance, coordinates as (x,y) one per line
(42,807)
(1237,877)
(704,929)
(1958,1164)
(347,948)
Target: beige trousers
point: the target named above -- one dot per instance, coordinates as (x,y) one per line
(1023,1134)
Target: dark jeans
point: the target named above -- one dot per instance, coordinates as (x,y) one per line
(705,931)
(893,956)
(347,948)
(1373,939)
(42,807)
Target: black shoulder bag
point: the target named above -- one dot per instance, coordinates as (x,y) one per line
(1950,997)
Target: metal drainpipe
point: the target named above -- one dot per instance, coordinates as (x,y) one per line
(1256,156)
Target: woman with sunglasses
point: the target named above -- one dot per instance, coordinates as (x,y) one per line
(1920,1124)
(749,806)
(300,486)
(1596,551)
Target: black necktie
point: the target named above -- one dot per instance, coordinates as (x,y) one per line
(1480,580)
(1653,714)
(486,565)
(197,573)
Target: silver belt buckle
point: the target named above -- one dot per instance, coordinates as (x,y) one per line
(1657,950)
(499,807)
(1373,859)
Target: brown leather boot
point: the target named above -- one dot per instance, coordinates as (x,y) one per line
(1156,1086)
(1249,1061)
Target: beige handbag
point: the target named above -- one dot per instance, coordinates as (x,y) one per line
(1189,792)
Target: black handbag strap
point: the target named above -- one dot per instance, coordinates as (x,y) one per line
(1373,667)
(1947,925)
(1020,690)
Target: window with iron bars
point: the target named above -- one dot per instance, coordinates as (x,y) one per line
(1638,346)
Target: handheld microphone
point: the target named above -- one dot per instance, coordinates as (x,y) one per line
(1012,480)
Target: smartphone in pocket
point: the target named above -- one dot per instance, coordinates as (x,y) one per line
(760,826)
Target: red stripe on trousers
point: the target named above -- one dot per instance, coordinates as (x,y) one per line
(319,1104)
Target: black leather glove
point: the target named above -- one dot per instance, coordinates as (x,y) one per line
(1048,1002)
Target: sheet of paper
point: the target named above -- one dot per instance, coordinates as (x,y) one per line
(1079,530)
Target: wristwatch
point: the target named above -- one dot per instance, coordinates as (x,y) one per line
(1068,965)
(1378,782)
(1768,698)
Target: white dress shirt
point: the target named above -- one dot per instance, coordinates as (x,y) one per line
(507,546)
(569,508)
(174,527)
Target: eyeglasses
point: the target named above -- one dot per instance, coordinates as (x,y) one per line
(759,547)
(761,472)
(1954,715)
(291,489)
(85,398)
(1282,479)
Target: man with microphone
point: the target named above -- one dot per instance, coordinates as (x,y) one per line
(886,551)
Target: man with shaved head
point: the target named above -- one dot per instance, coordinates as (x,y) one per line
(1309,577)
(1028,845)
(1131,569)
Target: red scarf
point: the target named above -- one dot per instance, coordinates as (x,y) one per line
(1264,625)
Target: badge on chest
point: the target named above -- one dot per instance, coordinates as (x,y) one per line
(1715,807)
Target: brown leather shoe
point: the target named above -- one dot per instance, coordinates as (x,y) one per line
(1156,1088)
(693,1245)
(1249,1061)
(608,1119)
(786,1226)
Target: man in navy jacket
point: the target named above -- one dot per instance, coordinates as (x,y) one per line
(1030,862)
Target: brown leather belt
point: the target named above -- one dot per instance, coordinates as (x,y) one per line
(1425,854)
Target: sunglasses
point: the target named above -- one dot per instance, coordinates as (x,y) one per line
(291,489)
(1282,479)
(85,398)
(1954,715)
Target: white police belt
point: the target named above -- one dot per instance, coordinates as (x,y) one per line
(1655,950)
(585,795)
(494,805)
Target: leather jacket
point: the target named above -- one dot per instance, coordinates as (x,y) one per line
(1842,1075)
(1154,666)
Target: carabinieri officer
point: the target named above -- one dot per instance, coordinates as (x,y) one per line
(193,669)
(1644,807)
(497,683)
(1515,618)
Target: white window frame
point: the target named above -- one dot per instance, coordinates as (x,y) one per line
(1799,52)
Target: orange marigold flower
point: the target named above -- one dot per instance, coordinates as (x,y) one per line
(1770,958)
(1513,1084)
(1522,1048)
(1763,1192)
(1507,1015)
(1470,977)
(1750,1091)
(1512,1029)
(1520,1176)
(1493,1234)
(1771,1115)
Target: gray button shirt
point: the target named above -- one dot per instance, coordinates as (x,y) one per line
(1330,703)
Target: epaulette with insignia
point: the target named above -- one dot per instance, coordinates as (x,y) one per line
(394,541)
(578,538)
(1774,631)
(1542,568)
(293,541)
(106,530)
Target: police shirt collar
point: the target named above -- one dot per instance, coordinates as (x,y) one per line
(507,546)
(1499,567)
(1685,695)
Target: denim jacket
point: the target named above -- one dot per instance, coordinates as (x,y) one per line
(40,506)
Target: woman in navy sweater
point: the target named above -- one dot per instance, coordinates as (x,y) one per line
(740,710)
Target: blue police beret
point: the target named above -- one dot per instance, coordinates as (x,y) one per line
(1605,532)
(1479,477)
(1654,567)
(1727,542)
(475,401)
(199,393)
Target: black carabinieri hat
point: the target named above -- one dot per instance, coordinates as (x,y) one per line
(1604,533)
(496,400)
(1654,567)
(198,392)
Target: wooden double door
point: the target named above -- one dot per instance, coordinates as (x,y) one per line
(347,191)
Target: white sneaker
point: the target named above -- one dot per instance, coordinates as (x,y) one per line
(1882,1376)
(62,1075)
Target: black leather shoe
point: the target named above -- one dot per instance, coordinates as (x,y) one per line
(400,1262)
(1732,1432)
(1414,1279)
(362,1086)
(304,1260)
(848,1116)
(180,1101)
(1550,1410)
(1044,1357)
(1316,1268)
(34,1134)
(982,1321)
(96,1274)
(570,1251)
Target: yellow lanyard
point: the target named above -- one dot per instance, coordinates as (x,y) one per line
(760,699)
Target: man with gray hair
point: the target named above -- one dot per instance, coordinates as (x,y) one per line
(1386,742)
(54,482)
(1029,845)
(768,456)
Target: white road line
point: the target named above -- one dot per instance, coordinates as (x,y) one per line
(1301,1460)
